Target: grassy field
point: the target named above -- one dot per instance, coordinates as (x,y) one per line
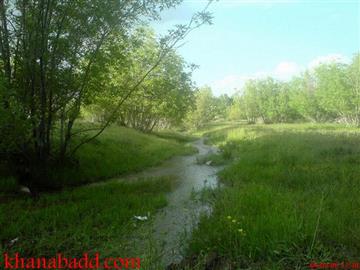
(291,197)
(95,218)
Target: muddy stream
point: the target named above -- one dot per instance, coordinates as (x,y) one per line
(172,225)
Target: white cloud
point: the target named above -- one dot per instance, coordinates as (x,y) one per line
(285,70)
(335,57)
(232,83)
(227,85)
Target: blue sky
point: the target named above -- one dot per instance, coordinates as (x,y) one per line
(253,38)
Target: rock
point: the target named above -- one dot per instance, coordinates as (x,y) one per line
(24,189)
(141,218)
(13,241)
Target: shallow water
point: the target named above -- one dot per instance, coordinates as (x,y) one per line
(172,225)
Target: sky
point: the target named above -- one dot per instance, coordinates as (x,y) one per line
(259,38)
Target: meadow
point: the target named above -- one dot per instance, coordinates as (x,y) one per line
(290,196)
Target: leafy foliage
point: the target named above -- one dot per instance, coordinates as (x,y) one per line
(58,57)
(204,110)
(330,92)
(162,99)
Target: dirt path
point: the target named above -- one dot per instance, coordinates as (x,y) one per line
(172,225)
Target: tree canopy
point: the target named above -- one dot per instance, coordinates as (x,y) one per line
(59,57)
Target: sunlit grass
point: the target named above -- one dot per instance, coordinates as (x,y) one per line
(177,136)
(120,151)
(293,189)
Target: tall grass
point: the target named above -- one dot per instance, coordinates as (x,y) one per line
(96,218)
(122,150)
(291,197)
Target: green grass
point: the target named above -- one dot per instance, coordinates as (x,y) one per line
(118,151)
(215,126)
(96,218)
(122,150)
(291,196)
(177,136)
(8,185)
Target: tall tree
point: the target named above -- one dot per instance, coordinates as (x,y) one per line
(353,73)
(204,110)
(49,51)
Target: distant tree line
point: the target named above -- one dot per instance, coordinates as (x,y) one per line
(330,92)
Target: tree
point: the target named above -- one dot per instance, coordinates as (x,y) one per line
(303,98)
(222,103)
(50,54)
(204,110)
(249,100)
(353,77)
(333,91)
(236,108)
(286,113)
(163,98)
